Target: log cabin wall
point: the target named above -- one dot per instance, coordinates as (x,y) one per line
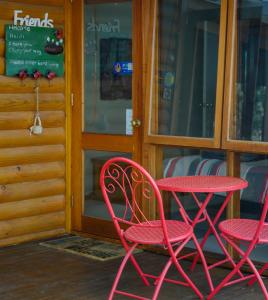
(32,168)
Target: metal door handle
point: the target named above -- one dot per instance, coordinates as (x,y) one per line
(136,123)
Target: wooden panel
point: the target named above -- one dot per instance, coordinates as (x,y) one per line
(25,102)
(33,224)
(32,189)
(44,2)
(29,155)
(246,146)
(179,141)
(2,47)
(107,142)
(32,168)
(77,88)
(7,10)
(2,65)
(68,111)
(31,237)
(31,207)
(11,84)
(233,208)
(220,76)
(22,137)
(31,172)
(2,27)
(149,19)
(24,119)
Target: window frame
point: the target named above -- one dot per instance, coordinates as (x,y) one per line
(229,87)
(151,88)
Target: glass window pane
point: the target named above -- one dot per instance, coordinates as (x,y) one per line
(94,204)
(192,162)
(188,57)
(254,168)
(251,107)
(108,67)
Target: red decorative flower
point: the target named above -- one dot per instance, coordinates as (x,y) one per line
(59,34)
(22,74)
(37,74)
(51,75)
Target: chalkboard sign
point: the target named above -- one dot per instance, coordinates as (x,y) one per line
(34,48)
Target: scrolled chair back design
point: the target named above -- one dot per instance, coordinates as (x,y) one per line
(126,184)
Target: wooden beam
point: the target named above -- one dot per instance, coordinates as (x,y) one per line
(29,155)
(22,137)
(30,225)
(31,172)
(26,101)
(24,119)
(31,207)
(32,189)
(31,237)
(11,84)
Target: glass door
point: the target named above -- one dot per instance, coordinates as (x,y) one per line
(185,103)
(106,111)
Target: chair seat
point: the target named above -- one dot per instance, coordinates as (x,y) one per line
(145,234)
(243,229)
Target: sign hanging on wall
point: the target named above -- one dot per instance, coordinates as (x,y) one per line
(30,49)
(26,20)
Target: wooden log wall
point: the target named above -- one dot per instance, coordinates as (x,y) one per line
(32,168)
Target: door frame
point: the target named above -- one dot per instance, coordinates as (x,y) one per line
(80,141)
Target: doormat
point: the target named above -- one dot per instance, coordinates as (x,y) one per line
(91,248)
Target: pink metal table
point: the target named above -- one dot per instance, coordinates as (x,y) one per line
(208,185)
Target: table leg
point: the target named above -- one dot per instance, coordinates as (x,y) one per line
(213,230)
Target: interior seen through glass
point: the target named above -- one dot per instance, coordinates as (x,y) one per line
(253,168)
(94,205)
(188,58)
(108,67)
(251,113)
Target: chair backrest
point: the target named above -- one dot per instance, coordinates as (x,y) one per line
(263,217)
(125,180)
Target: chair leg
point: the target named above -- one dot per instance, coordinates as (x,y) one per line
(253,280)
(205,266)
(216,235)
(248,260)
(223,282)
(138,269)
(161,278)
(173,259)
(120,270)
(135,263)
(236,270)
(258,278)
(189,281)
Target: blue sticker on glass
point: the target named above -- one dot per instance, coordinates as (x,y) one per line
(169,79)
(122,68)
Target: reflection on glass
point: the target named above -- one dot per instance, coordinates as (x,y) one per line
(188,58)
(254,168)
(108,66)
(251,109)
(94,205)
(193,162)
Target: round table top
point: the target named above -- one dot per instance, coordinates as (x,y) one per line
(206,184)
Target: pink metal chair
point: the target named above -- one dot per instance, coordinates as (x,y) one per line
(247,232)
(127,180)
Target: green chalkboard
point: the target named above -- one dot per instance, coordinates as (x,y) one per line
(34,48)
